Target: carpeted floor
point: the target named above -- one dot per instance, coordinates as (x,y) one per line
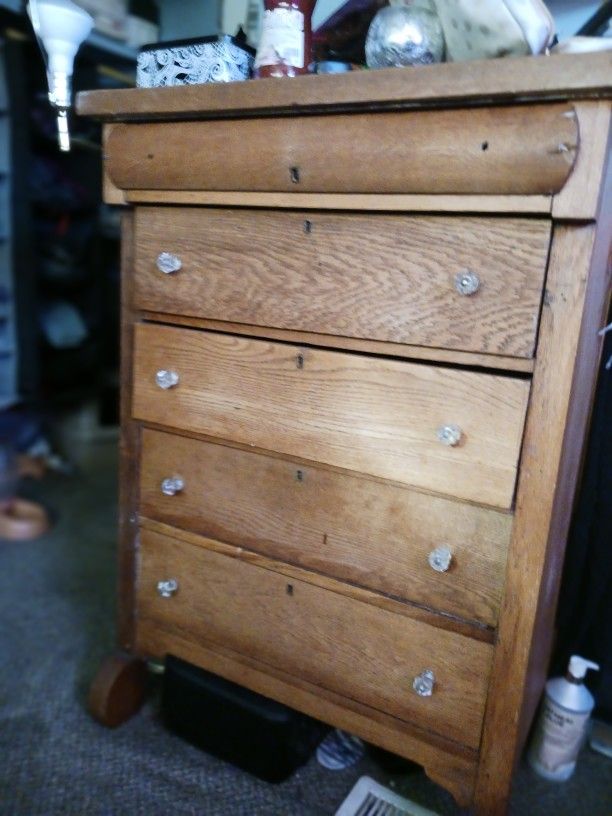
(56,609)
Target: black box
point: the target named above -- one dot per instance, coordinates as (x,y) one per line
(259,735)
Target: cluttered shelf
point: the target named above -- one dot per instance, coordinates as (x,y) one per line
(529,78)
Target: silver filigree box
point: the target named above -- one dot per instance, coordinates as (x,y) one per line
(192,62)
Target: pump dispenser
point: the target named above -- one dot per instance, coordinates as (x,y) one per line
(562,725)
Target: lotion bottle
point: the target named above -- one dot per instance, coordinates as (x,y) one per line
(562,725)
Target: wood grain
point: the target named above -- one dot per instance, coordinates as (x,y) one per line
(367,533)
(577,296)
(504,151)
(129,449)
(561,76)
(398,606)
(580,198)
(384,277)
(118,690)
(110,193)
(373,416)
(455,762)
(530,204)
(351,648)
(405,350)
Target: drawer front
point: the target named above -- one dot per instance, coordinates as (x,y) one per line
(393,278)
(375,416)
(499,150)
(352,648)
(368,533)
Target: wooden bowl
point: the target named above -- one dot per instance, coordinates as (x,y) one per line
(22,520)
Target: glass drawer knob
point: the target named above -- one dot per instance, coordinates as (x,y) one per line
(450,435)
(168,263)
(167,588)
(440,559)
(172,485)
(424,683)
(467,282)
(166,379)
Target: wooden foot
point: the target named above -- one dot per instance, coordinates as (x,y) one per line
(456,780)
(118,690)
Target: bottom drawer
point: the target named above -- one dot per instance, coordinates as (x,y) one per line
(349,647)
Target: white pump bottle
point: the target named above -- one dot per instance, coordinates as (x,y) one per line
(562,725)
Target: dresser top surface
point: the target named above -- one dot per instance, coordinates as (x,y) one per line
(499,81)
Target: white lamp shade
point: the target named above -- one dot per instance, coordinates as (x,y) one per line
(61,26)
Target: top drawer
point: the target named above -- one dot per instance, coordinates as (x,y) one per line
(509,150)
(470,284)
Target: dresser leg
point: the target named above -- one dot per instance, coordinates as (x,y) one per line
(118,689)
(494,799)
(458,781)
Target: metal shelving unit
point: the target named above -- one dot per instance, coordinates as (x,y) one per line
(24,367)
(95,39)
(8,343)
(110,46)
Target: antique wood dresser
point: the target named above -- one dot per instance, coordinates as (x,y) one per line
(360,339)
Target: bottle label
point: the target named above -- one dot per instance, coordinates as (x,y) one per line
(559,736)
(282,39)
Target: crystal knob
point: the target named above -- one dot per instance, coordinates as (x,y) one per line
(449,435)
(467,282)
(168,263)
(167,588)
(172,485)
(424,683)
(166,379)
(440,559)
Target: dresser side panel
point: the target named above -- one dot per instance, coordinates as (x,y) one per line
(129,453)
(566,368)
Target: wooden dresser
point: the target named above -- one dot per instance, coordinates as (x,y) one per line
(360,339)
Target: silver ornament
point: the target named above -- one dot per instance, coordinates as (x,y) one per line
(404,35)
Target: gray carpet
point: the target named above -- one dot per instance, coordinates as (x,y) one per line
(56,608)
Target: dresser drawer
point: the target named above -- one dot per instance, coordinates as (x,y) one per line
(459,283)
(500,150)
(352,648)
(375,416)
(368,533)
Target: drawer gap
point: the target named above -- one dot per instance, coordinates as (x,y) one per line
(494,367)
(459,283)
(287,457)
(338,642)
(432,617)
